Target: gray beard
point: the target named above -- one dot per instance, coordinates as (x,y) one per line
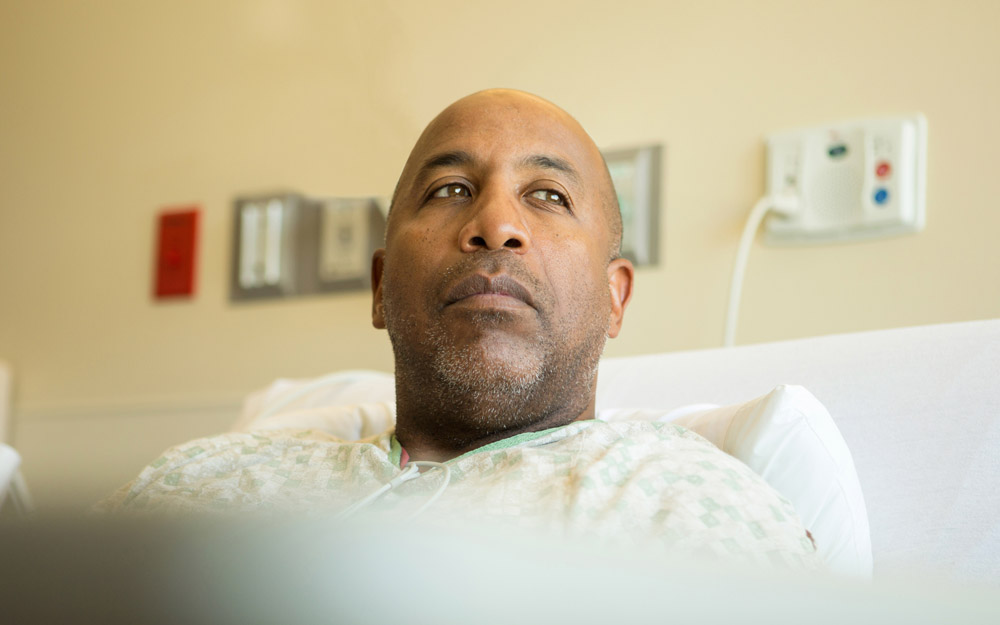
(496,387)
(459,394)
(462,395)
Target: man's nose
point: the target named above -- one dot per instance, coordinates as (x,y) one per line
(496,222)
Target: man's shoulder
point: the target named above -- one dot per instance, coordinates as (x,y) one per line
(654,433)
(209,468)
(260,443)
(651,445)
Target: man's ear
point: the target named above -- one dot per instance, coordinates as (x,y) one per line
(378,265)
(620,276)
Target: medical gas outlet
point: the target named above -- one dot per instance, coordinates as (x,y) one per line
(855,180)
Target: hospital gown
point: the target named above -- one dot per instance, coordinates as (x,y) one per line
(636,482)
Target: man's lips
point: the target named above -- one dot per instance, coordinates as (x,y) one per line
(477,284)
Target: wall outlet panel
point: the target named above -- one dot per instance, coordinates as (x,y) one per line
(856,180)
(265,246)
(346,233)
(286,245)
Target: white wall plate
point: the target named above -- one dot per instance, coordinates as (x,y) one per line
(857,179)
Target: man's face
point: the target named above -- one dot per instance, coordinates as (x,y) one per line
(495,279)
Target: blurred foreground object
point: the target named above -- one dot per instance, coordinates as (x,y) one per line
(320,572)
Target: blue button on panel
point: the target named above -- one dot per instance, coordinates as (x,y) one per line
(881,196)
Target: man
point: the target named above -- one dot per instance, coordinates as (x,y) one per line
(501,277)
(499,283)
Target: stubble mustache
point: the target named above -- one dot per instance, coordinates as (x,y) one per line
(514,278)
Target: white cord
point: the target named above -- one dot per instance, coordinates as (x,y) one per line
(411,472)
(786,204)
(440,490)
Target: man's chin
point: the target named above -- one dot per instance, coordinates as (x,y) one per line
(490,368)
(492,327)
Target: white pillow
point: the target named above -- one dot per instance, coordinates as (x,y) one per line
(349,423)
(788,438)
(340,393)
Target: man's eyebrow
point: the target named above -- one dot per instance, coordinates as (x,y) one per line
(460,158)
(542,161)
(447,159)
(456,158)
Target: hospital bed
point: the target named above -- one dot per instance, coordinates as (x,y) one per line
(909,475)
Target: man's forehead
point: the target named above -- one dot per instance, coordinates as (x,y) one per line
(520,127)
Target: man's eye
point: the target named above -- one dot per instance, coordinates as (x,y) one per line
(452,190)
(548,195)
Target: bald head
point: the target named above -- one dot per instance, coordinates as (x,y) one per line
(507,116)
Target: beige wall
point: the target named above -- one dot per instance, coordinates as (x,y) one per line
(110,111)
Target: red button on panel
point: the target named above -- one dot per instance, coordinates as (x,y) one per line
(882,169)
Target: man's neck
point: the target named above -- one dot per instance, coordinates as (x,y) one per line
(439,417)
(421,445)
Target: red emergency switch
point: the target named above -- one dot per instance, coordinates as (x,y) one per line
(177,242)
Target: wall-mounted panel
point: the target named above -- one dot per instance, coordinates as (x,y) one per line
(286,244)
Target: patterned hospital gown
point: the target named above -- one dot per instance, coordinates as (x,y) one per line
(633,482)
